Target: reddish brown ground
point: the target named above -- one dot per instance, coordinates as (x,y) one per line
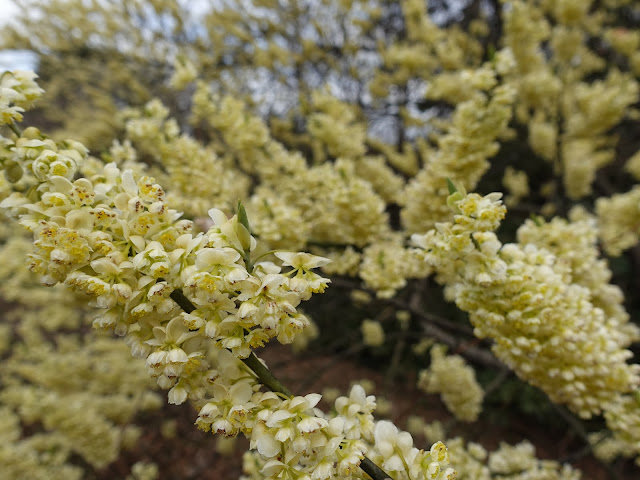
(192,454)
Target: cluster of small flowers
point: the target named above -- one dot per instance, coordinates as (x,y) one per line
(387,446)
(619,220)
(473,462)
(633,165)
(185,72)
(180,163)
(607,447)
(553,90)
(519,462)
(275,425)
(84,408)
(343,261)
(425,49)
(385,182)
(625,41)
(82,389)
(372,333)
(623,419)
(455,381)
(315,446)
(575,241)
(335,206)
(342,208)
(115,239)
(18,90)
(590,111)
(333,128)
(516,182)
(545,326)
(271,219)
(462,155)
(387,264)
(339,203)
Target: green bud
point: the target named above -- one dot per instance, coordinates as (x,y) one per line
(244,237)
(452,188)
(455,195)
(491,52)
(12,171)
(453,199)
(242,217)
(537,219)
(31,133)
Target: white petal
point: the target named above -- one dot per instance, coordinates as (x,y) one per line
(393,464)
(218,216)
(267,445)
(129,184)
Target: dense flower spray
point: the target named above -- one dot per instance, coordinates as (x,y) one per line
(544,322)
(194,305)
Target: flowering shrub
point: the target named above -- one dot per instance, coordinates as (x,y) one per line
(249,159)
(194,306)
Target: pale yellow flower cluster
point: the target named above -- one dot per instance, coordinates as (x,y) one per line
(337,442)
(623,419)
(619,220)
(18,90)
(342,208)
(372,333)
(143,471)
(426,49)
(575,242)
(633,165)
(474,462)
(393,449)
(519,462)
(627,42)
(387,264)
(516,182)
(455,381)
(381,176)
(462,155)
(331,204)
(82,389)
(569,117)
(590,111)
(194,175)
(185,72)
(313,444)
(84,407)
(343,261)
(333,128)
(544,325)
(271,220)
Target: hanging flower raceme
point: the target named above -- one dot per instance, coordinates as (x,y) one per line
(545,327)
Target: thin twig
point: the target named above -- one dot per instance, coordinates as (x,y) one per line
(429,317)
(477,355)
(496,382)
(581,431)
(319,372)
(15,129)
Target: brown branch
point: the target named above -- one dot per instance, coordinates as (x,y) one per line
(477,355)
